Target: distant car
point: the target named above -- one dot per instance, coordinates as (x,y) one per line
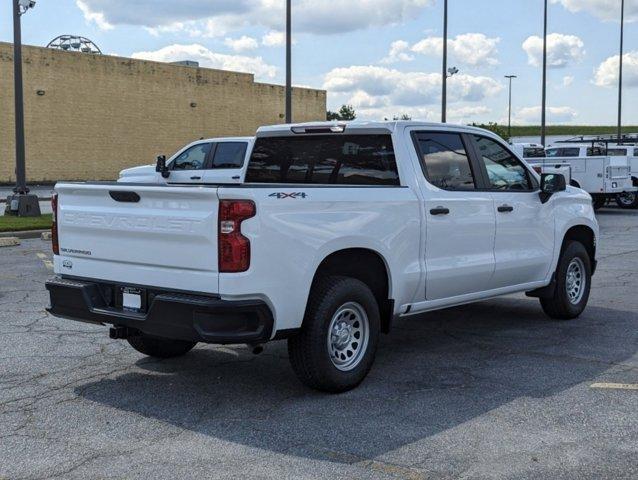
(213,160)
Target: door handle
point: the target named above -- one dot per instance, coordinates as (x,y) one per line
(505,208)
(196,178)
(439,211)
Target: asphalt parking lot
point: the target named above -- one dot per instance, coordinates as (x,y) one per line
(492,390)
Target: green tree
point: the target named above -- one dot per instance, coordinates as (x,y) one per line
(500,130)
(346,112)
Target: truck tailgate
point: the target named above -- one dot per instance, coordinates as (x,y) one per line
(146,235)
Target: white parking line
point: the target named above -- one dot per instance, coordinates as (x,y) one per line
(616,386)
(47,263)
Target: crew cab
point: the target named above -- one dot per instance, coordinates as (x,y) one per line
(338,230)
(221,160)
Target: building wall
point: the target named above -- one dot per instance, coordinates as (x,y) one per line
(100,114)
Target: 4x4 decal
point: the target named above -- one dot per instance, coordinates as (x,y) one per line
(288,195)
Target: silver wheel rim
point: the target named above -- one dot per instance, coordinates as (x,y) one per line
(348,335)
(576,281)
(627,198)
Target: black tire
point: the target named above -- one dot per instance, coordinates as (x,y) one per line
(598,202)
(627,200)
(560,306)
(309,352)
(160,347)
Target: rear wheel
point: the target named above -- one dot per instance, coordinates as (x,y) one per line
(160,347)
(573,283)
(599,201)
(627,200)
(338,340)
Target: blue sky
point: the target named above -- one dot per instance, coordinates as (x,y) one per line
(382,56)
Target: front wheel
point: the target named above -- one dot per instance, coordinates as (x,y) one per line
(573,283)
(627,200)
(338,340)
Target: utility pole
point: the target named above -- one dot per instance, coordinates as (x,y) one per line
(21,203)
(509,114)
(544,101)
(444,70)
(288,61)
(622,25)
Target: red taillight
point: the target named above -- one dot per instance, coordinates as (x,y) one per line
(538,169)
(54,225)
(234,248)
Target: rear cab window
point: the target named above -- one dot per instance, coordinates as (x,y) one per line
(229,155)
(533,152)
(341,159)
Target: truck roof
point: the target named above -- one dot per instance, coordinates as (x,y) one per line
(359,125)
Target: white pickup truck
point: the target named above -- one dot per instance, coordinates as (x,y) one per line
(337,230)
(211,160)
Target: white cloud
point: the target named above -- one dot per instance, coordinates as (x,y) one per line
(274,39)
(319,17)
(241,44)
(603,9)
(380,92)
(562,50)
(92,16)
(568,80)
(606,74)
(468,48)
(210,59)
(399,52)
(532,115)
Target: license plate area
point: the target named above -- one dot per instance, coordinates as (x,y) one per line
(131,299)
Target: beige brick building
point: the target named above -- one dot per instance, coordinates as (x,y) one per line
(89,116)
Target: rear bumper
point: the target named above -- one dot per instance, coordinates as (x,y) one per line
(172,315)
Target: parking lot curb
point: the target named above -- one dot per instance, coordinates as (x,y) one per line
(26,234)
(40,199)
(9,241)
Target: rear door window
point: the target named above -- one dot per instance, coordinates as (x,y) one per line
(229,155)
(324,159)
(445,161)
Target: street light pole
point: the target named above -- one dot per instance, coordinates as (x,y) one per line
(21,181)
(544,95)
(20,203)
(509,114)
(288,61)
(622,24)
(444,71)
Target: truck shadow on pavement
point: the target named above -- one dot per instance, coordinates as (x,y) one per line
(434,372)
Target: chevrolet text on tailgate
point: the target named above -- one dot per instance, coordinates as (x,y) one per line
(337,230)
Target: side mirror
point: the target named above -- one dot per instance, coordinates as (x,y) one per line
(551,183)
(161,167)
